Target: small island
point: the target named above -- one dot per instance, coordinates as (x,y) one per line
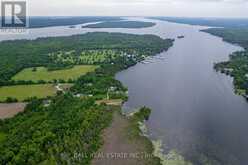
(121,24)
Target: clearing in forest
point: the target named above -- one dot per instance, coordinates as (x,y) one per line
(42,73)
(22,92)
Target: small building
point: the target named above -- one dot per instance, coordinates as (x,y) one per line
(112,89)
(228,69)
(79,95)
(46,103)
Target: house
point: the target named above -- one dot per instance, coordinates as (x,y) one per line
(112,89)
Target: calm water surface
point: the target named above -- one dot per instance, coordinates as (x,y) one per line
(194,108)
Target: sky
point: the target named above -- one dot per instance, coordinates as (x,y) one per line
(179,8)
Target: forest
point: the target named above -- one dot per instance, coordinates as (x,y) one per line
(210,22)
(39,22)
(54,134)
(21,54)
(121,24)
(233,35)
(66,129)
(237,67)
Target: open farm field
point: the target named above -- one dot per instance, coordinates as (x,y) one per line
(42,73)
(10,110)
(22,92)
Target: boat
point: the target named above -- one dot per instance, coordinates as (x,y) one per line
(145,62)
(180,37)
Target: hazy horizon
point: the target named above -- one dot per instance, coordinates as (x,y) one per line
(168,8)
(139,16)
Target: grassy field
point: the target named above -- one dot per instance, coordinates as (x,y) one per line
(42,73)
(22,92)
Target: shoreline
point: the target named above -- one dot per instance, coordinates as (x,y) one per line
(237,90)
(139,135)
(171,158)
(73,118)
(225,70)
(126,141)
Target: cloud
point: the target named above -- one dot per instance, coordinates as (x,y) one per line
(191,8)
(164,1)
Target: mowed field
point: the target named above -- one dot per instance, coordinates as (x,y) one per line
(10,110)
(43,74)
(22,92)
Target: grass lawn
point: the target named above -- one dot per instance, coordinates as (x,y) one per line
(22,92)
(43,74)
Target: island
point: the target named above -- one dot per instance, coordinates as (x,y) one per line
(41,22)
(121,24)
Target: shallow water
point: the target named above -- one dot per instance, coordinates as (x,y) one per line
(195,109)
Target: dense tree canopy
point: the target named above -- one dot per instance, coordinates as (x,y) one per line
(16,55)
(66,129)
(232,35)
(54,134)
(38,22)
(237,67)
(121,24)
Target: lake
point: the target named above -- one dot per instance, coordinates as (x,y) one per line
(195,109)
